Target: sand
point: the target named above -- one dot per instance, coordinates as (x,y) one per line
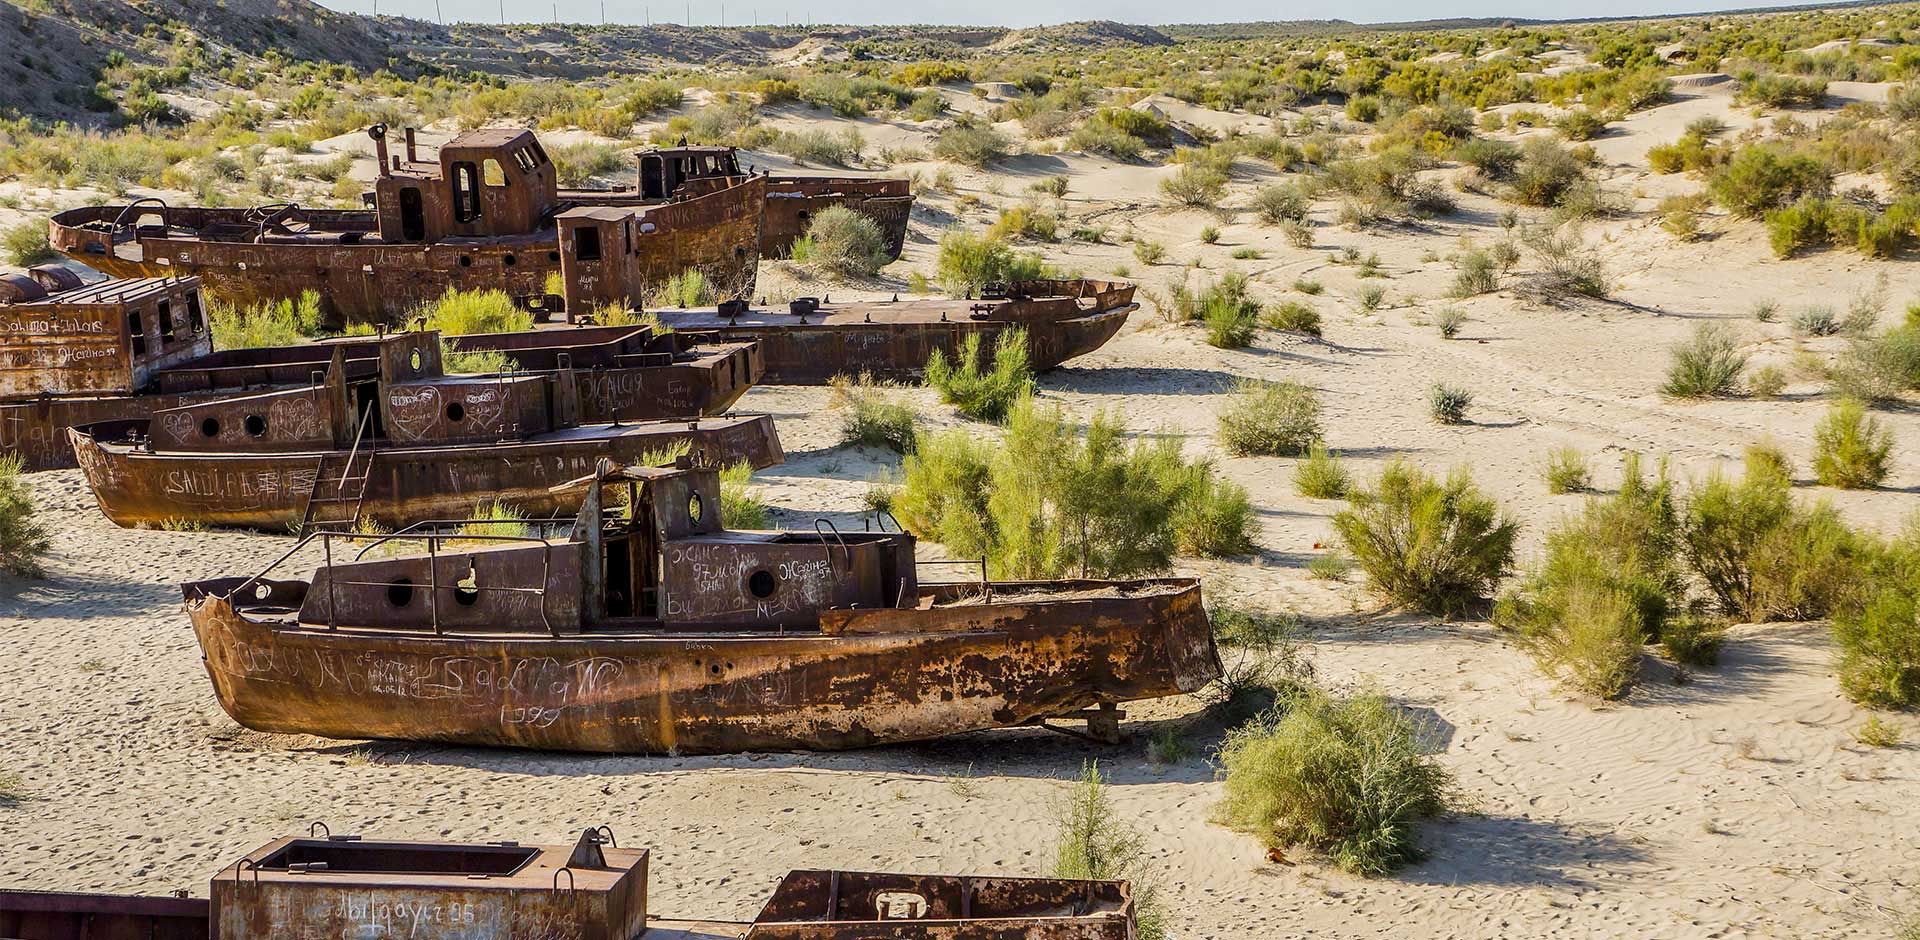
(1734,804)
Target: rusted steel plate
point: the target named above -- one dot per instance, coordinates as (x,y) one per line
(894,339)
(794,201)
(136,487)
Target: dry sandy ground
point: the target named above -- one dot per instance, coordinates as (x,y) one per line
(1735,804)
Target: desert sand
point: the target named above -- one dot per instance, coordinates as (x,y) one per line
(1729,802)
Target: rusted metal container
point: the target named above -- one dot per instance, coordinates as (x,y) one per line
(327,886)
(812,341)
(659,631)
(487,213)
(124,349)
(383,435)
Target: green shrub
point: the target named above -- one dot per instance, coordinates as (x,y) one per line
(1580,124)
(689,288)
(1370,296)
(1095,136)
(820,146)
(1092,842)
(988,394)
(1148,251)
(1294,316)
(1438,546)
(873,416)
(23,539)
(1477,275)
(1025,221)
(1321,475)
(1210,234)
(1763,557)
(1608,584)
(844,242)
(1055,186)
(1449,321)
(1051,498)
(1229,312)
(1766,381)
(576,164)
(1448,404)
(280,323)
(971,145)
(1212,518)
(493,518)
(1761,177)
(1815,321)
(741,506)
(1195,185)
(26,244)
(1707,365)
(1546,174)
(1567,471)
(1879,368)
(1347,776)
(1270,419)
(1496,159)
(967,262)
(1276,203)
(1851,448)
(1879,659)
(1781,91)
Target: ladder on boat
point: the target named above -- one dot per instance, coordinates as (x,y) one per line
(334,501)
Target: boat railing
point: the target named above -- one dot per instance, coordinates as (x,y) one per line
(433,540)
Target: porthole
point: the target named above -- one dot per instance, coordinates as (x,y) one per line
(400,592)
(466,261)
(456,412)
(695,507)
(510,261)
(415,361)
(760,583)
(256,426)
(553,256)
(210,427)
(466,593)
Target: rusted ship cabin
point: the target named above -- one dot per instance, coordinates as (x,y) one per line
(73,354)
(345,886)
(809,341)
(652,629)
(792,201)
(479,217)
(384,434)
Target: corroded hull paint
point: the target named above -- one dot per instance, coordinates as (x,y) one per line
(405,485)
(869,677)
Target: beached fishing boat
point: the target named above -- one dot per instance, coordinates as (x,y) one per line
(75,354)
(652,629)
(811,340)
(326,885)
(482,215)
(380,433)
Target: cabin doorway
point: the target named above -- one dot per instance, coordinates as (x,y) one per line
(366,409)
(653,177)
(413,216)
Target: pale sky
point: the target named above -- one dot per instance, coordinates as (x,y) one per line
(1008,12)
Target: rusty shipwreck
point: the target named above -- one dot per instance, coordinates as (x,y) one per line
(484,215)
(375,430)
(344,886)
(119,350)
(811,340)
(652,629)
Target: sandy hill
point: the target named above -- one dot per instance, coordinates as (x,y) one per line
(63,45)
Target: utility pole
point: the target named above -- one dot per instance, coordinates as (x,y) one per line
(503,12)
(436,13)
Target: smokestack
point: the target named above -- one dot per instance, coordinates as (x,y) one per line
(410,154)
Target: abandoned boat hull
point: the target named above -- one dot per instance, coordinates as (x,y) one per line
(404,485)
(893,341)
(868,677)
(361,279)
(37,430)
